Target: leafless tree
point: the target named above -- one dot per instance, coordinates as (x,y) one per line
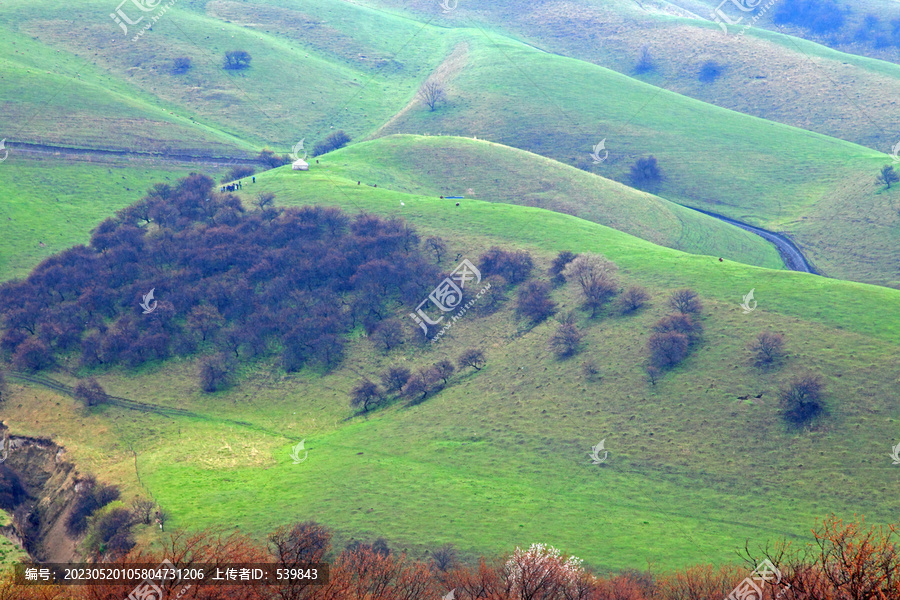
(594,273)
(437,246)
(142,509)
(768,347)
(686,301)
(887,176)
(632,299)
(444,370)
(90,392)
(432,92)
(366,394)
(565,341)
(472,358)
(395,378)
(264,199)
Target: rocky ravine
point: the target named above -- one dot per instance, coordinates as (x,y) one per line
(37,487)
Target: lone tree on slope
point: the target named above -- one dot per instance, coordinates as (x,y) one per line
(432,92)
(887,176)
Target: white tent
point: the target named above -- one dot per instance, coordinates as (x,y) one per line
(301,165)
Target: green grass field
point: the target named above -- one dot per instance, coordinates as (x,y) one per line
(698,463)
(316,69)
(764,73)
(442,166)
(56,203)
(500,457)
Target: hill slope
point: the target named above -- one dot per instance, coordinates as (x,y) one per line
(500,457)
(442,166)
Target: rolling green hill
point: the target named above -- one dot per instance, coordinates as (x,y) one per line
(763,73)
(305,77)
(500,457)
(442,166)
(316,70)
(770,175)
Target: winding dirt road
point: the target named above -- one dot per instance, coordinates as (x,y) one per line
(791,255)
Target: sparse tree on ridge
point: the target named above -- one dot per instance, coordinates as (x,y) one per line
(90,392)
(565,340)
(686,301)
(472,357)
(432,92)
(395,378)
(237,59)
(768,347)
(366,394)
(887,176)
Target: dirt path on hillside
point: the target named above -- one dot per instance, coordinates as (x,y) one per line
(445,72)
(791,255)
(48,150)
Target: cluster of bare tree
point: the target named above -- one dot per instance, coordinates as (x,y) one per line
(402,382)
(244,283)
(675,335)
(847,560)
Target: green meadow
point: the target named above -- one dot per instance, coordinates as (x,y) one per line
(700,462)
(500,457)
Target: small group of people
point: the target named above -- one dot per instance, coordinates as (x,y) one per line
(233,187)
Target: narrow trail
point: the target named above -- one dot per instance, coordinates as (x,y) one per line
(49,150)
(791,255)
(128,404)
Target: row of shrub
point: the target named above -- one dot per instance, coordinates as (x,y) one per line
(847,560)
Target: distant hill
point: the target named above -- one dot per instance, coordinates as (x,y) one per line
(477,169)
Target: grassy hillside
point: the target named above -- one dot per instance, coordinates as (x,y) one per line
(309,72)
(316,69)
(764,73)
(767,174)
(500,457)
(441,166)
(57,202)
